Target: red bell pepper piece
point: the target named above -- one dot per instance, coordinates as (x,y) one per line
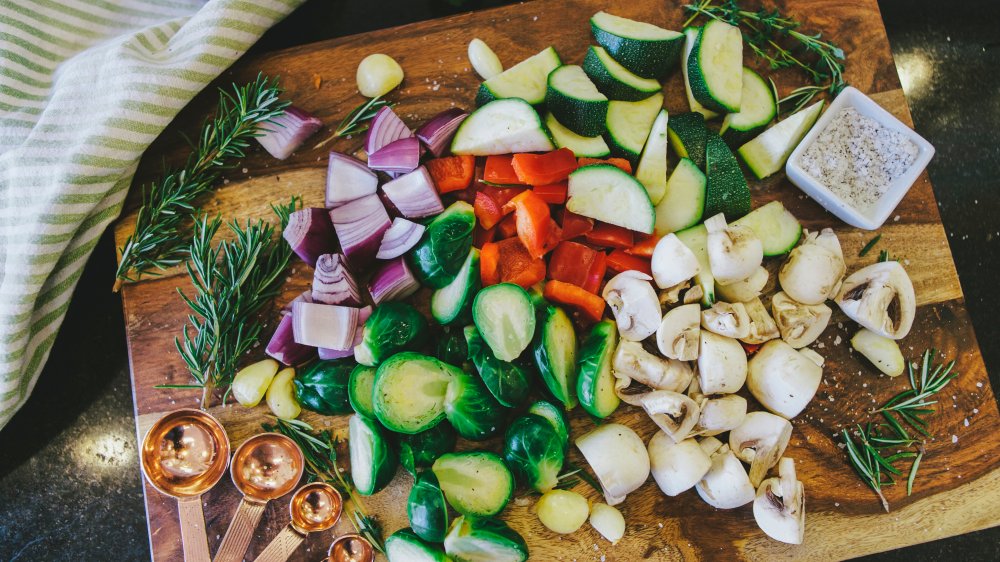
(750,348)
(452,173)
(553,194)
(574,225)
(644,248)
(507,228)
(620,163)
(489,261)
(503,195)
(596,274)
(500,171)
(516,265)
(487,210)
(571,263)
(482,235)
(544,169)
(619,261)
(534,223)
(588,304)
(610,235)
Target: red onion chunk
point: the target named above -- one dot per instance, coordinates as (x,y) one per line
(306,296)
(393,281)
(402,155)
(414,194)
(359,335)
(324,325)
(284,134)
(348,179)
(310,234)
(360,225)
(400,237)
(333,282)
(437,132)
(385,127)
(283,347)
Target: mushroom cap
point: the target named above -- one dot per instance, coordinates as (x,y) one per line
(799,324)
(632,362)
(880,297)
(676,467)
(634,303)
(726,484)
(678,334)
(745,289)
(782,379)
(721,414)
(673,262)
(762,326)
(734,251)
(727,319)
(814,269)
(780,505)
(722,364)
(674,413)
(760,441)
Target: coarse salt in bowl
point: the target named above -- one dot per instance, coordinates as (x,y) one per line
(835,196)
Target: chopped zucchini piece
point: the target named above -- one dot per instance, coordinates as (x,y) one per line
(608,194)
(582,147)
(779,231)
(629,124)
(652,169)
(684,202)
(614,80)
(526,80)
(727,190)
(575,101)
(643,48)
(757,108)
(768,153)
(715,67)
(502,127)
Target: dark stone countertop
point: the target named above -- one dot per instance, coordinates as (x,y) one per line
(69,476)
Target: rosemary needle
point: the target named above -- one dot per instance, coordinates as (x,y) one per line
(871,244)
(357,120)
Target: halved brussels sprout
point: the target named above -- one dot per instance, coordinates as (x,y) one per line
(322,387)
(555,417)
(484,540)
(555,354)
(470,407)
(534,452)
(451,347)
(392,327)
(426,508)
(505,317)
(359,390)
(405,546)
(410,391)
(595,385)
(373,461)
(420,450)
(475,483)
(506,381)
(438,257)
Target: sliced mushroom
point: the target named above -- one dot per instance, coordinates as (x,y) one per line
(678,334)
(676,467)
(782,379)
(694,294)
(760,441)
(799,324)
(762,326)
(727,319)
(722,364)
(721,414)
(745,289)
(632,362)
(880,297)
(673,262)
(710,445)
(672,295)
(673,412)
(634,304)
(780,505)
(734,251)
(814,269)
(726,484)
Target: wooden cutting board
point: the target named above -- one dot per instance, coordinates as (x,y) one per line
(957,489)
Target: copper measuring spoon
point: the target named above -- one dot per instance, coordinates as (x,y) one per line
(183,455)
(314,507)
(351,548)
(265,467)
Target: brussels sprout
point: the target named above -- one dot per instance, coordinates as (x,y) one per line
(426,508)
(534,452)
(475,483)
(405,546)
(420,450)
(359,390)
(373,462)
(555,417)
(595,385)
(322,387)
(438,257)
(554,349)
(451,347)
(471,409)
(484,540)
(506,381)
(392,327)
(410,391)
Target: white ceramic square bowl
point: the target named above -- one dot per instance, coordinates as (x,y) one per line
(877,215)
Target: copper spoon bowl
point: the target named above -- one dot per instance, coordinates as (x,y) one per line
(314,508)
(184,455)
(351,548)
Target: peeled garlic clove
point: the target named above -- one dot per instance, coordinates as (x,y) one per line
(281,395)
(722,364)
(760,441)
(881,351)
(780,505)
(484,61)
(378,75)
(734,251)
(726,484)
(814,269)
(673,262)
(562,511)
(782,379)
(252,381)
(745,289)
(676,467)
(799,324)
(880,297)
(634,303)
(678,334)
(607,521)
(762,326)
(727,319)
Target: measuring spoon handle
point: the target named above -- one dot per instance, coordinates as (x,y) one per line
(282,547)
(194,541)
(237,539)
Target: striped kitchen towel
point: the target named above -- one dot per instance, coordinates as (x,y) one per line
(85,87)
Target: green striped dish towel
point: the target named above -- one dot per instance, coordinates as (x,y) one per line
(85,87)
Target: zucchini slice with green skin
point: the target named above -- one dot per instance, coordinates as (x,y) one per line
(453,302)
(359,390)
(652,169)
(684,202)
(614,80)
(420,450)
(575,101)
(525,80)
(779,231)
(555,354)
(484,540)
(410,391)
(427,509)
(506,381)
(690,36)
(405,546)
(502,127)
(475,483)
(471,408)
(373,460)
(757,108)
(629,124)
(595,385)
(643,48)
(696,239)
(554,416)
(505,317)
(688,134)
(715,67)
(586,147)
(606,193)
(727,190)
(768,153)
(534,452)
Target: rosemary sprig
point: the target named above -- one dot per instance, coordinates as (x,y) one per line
(233,281)
(883,255)
(767,32)
(169,205)
(357,120)
(871,244)
(319,450)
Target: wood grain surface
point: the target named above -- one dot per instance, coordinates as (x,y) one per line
(959,477)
